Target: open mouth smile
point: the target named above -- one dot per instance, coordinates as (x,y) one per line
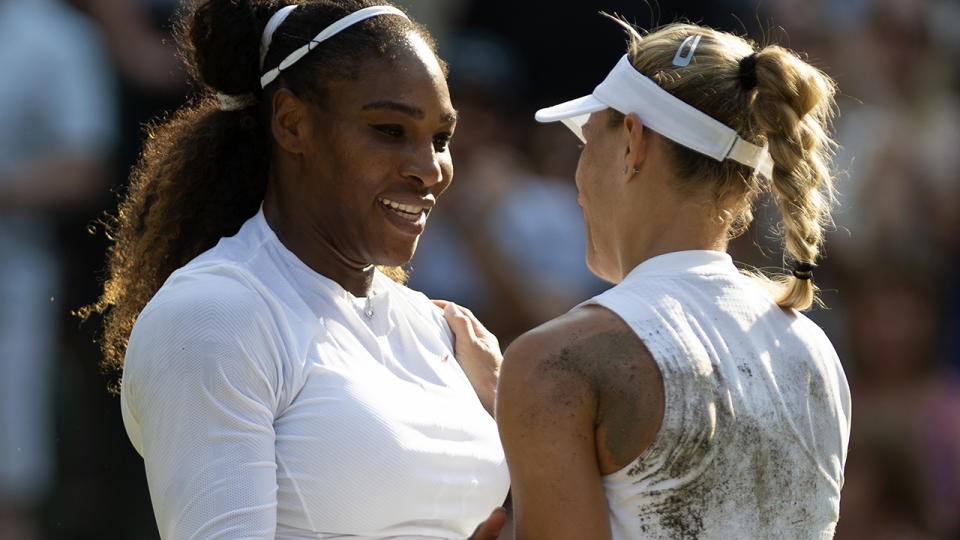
(413,214)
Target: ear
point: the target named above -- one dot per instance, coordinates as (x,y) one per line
(288,121)
(638,140)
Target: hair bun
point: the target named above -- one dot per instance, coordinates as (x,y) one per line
(223,40)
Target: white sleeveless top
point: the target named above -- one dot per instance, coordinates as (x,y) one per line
(757,417)
(268,402)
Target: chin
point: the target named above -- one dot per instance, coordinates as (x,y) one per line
(398,253)
(598,269)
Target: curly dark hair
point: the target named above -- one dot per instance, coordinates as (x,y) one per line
(203,171)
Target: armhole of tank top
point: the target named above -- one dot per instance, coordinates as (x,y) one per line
(670,393)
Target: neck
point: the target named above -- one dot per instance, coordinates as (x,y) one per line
(669,222)
(668,242)
(315,249)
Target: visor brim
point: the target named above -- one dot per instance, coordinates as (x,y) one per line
(574,113)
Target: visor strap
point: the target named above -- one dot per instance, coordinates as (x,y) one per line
(629,91)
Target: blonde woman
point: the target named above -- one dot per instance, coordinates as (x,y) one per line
(690,400)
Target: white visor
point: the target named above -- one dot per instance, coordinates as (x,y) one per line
(628,91)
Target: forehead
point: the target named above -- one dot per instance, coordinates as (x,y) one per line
(409,73)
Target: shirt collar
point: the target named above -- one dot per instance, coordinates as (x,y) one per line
(691,261)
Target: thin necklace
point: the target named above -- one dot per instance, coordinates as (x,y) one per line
(365,304)
(368,310)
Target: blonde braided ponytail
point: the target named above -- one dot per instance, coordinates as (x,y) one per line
(793,107)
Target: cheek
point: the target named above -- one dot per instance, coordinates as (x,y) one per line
(581,170)
(586,181)
(446,170)
(446,165)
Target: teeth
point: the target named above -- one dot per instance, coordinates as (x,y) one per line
(405,208)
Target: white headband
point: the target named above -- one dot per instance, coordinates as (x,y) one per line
(277,19)
(628,91)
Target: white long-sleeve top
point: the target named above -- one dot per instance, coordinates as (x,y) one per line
(757,409)
(268,402)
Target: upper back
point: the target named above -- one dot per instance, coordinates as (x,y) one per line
(756,418)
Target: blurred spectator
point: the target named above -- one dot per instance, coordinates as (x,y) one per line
(56,128)
(899,138)
(881,499)
(92,447)
(904,470)
(143,53)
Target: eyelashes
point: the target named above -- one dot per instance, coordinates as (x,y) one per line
(391,130)
(441,141)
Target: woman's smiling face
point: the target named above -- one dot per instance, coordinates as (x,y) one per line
(377,155)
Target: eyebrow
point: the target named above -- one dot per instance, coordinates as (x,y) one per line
(415,112)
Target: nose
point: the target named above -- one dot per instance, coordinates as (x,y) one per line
(425,165)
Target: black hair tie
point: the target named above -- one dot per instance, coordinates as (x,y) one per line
(748,71)
(803,271)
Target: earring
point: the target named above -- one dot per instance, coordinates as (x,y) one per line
(635,170)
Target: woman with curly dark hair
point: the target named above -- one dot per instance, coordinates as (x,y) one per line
(276,380)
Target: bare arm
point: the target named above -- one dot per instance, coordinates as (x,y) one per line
(579,397)
(547,413)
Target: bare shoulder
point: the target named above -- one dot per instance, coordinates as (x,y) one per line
(589,359)
(587,340)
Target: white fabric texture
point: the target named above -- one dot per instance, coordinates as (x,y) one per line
(757,416)
(266,404)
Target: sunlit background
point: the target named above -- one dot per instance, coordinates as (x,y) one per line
(79,78)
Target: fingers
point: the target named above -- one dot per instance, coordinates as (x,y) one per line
(498,518)
(465,324)
(490,529)
(459,322)
(442,304)
(478,327)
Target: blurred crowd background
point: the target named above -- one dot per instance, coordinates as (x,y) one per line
(78,79)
